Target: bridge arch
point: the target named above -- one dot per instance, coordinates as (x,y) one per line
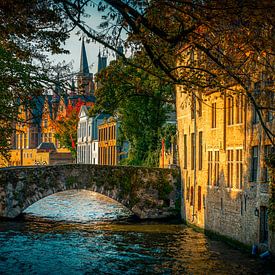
(149,193)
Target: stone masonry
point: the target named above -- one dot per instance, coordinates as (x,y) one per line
(216,138)
(149,193)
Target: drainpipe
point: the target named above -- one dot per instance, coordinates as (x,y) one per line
(195,154)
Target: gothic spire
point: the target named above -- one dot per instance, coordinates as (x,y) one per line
(102,62)
(84,68)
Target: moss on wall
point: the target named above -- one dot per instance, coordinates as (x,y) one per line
(70,181)
(148,190)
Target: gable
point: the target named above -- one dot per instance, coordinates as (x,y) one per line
(83,111)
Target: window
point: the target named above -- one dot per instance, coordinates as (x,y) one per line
(269,116)
(21,141)
(239,168)
(254,164)
(267,151)
(230,161)
(192,196)
(210,166)
(200,150)
(99,135)
(35,139)
(263,224)
(214,115)
(200,104)
(193,158)
(255,116)
(216,168)
(193,102)
(114,132)
(188,189)
(45,123)
(185,151)
(230,111)
(85,129)
(88,148)
(199,198)
(239,109)
(25,140)
(17,141)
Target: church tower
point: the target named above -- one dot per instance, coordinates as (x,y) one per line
(85,82)
(102,62)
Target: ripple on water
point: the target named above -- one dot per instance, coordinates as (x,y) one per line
(74,240)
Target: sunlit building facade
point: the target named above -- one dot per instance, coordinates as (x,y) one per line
(107,138)
(87,136)
(224,178)
(36,121)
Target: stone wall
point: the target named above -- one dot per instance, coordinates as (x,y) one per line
(210,201)
(149,193)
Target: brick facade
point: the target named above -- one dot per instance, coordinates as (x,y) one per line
(221,154)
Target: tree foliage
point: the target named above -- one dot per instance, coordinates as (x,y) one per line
(65,127)
(28,29)
(206,45)
(141,102)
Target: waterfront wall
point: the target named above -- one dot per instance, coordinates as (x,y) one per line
(212,152)
(150,193)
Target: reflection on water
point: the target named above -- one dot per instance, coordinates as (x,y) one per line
(78,206)
(41,246)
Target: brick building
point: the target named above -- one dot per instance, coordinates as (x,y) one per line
(111,151)
(225,181)
(35,124)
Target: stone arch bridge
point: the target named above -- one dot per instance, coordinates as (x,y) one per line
(149,193)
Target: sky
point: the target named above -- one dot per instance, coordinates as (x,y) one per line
(73,44)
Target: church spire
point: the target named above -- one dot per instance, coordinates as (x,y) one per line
(102,62)
(84,68)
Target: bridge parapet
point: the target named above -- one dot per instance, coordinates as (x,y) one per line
(150,193)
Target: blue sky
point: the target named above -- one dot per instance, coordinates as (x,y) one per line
(73,44)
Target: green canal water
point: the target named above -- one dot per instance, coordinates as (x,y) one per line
(85,233)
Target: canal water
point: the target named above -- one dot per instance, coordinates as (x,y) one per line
(81,232)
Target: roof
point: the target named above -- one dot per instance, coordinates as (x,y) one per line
(84,67)
(102,116)
(83,98)
(37,106)
(46,146)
